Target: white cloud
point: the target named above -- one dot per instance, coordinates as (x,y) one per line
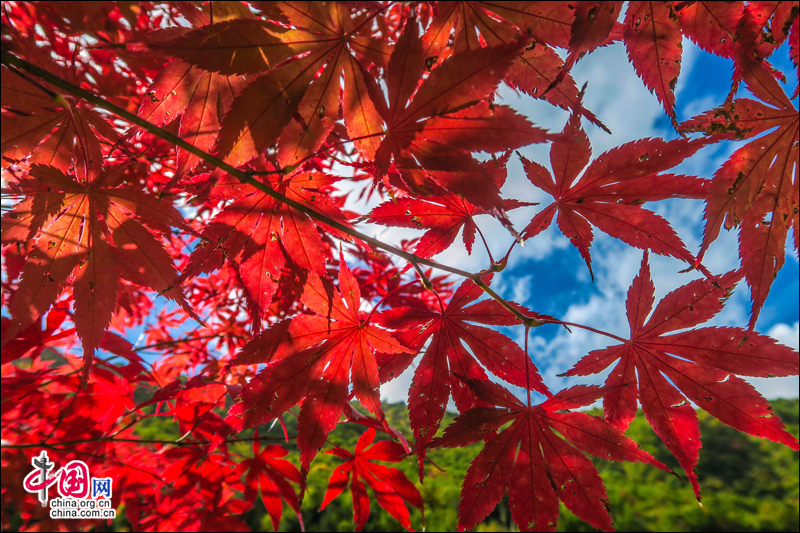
(786,334)
(781,387)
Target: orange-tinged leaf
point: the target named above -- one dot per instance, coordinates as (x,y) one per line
(363,122)
(242,46)
(263,109)
(318,112)
(72,247)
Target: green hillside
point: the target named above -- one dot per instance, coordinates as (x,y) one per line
(748,484)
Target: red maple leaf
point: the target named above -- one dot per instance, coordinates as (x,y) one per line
(74,245)
(331,104)
(538,67)
(652,38)
(665,371)
(319,357)
(757,187)
(391,487)
(269,472)
(611,189)
(199,99)
(257,233)
(532,462)
(449,330)
(54,129)
(712,25)
(32,341)
(432,126)
(295,103)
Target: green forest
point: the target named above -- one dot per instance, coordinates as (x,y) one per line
(748,484)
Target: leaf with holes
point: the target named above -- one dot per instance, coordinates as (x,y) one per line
(757,187)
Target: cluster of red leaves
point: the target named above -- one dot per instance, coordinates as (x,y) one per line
(309,98)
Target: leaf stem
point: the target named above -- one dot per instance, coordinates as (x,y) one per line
(587,328)
(485,244)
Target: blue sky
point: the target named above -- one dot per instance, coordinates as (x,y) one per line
(549,276)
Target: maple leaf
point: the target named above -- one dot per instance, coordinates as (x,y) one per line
(268,471)
(713,26)
(591,29)
(652,38)
(537,67)
(296,103)
(609,193)
(199,99)
(75,246)
(764,26)
(444,215)
(534,463)
(257,233)
(391,487)
(448,330)
(334,349)
(30,118)
(433,126)
(703,371)
(404,94)
(108,397)
(652,34)
(756,188)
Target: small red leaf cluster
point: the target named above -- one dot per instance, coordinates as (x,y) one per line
(181,244)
